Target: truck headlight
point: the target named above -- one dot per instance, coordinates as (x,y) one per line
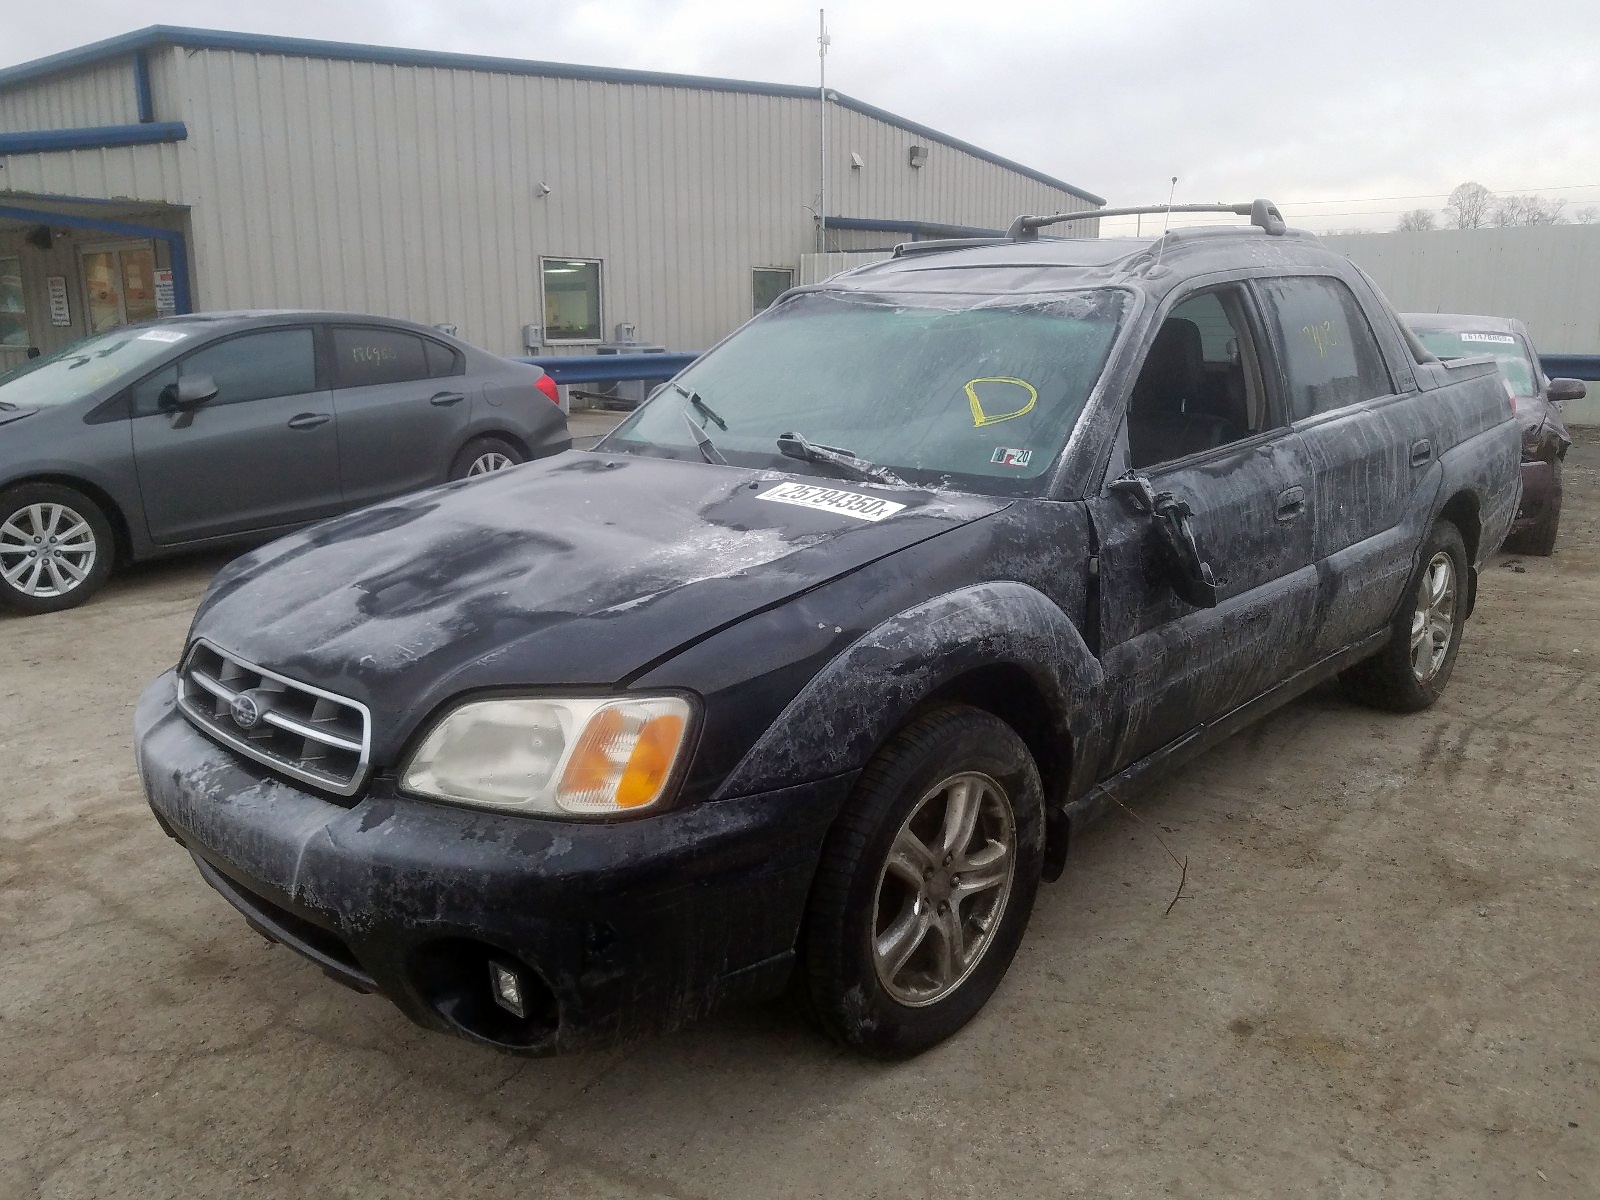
(569,758)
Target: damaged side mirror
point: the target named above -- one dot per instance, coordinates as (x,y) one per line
(1562,390)
(1187,572)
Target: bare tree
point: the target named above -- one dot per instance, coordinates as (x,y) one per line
(1528,210)
(1470,206)
(1418,220)
(1587,215)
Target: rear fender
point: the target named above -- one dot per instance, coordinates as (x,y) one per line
(856,702)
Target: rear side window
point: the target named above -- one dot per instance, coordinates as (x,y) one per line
(363,357)
(442,360)
(1329,357)
(253,366)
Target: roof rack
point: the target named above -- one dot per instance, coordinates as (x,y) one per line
(1262,213)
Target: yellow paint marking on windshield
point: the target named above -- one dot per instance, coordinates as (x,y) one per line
(982,417)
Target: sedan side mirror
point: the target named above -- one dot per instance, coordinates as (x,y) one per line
(1562,390)
(193,391)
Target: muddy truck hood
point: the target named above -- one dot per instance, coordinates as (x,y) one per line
(577,570)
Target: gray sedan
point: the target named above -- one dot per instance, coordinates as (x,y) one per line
(201,430)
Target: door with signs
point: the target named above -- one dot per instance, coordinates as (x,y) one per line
(119,285)
(1367,442)
(1206,472)
(261,453)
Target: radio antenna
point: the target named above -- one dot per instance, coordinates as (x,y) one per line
(1161,242)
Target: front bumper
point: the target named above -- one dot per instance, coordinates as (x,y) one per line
(617,929)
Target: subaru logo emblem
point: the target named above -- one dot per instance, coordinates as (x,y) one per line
(245,712)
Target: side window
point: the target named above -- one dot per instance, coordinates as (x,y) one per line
(253,366)
(1330,358)
(365,356)
(1201,383)
(442,360)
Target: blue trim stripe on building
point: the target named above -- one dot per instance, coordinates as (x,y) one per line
(257,43)
(40,140)
(177,245)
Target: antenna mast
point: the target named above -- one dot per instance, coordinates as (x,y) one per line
(822,139)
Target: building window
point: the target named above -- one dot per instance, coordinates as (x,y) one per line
(770,283)
(571,299)
(13,309)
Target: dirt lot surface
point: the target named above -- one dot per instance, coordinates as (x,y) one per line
(1381,979)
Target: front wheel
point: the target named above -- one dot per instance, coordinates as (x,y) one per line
(1411,670)
(1540,540)
(925,886)
(56,548)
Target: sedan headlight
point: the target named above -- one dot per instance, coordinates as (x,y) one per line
(570,758)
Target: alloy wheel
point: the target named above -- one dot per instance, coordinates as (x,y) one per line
(943,889)
(1433,622)
(46,550)
(488,461)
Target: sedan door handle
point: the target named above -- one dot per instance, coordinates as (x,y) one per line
(445,399)
(1291,503)
(1421,453)
(308,420)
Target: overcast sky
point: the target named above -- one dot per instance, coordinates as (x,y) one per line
(1332,102)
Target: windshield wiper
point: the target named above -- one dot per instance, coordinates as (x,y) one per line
(702,440)
(794,445)
(708,413)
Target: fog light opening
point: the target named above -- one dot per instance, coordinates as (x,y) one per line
(507,989)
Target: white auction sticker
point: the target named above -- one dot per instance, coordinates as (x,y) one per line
(162,335)
(1499,339)
(851,504)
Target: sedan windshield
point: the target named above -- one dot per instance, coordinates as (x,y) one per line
(970,392)
(1504,348)
(74,371)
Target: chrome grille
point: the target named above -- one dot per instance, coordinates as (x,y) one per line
(306,733)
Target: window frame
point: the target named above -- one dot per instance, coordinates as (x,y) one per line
(1276,413)
(319,375)
(23,312)
(330,354)
(1279,351)
(600,300)
(757,271)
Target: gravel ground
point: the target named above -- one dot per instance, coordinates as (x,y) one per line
(1381,979)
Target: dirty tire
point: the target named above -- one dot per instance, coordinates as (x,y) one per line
(839,975)
(1540,540)
(485,450)
(1387,680)
(62,510)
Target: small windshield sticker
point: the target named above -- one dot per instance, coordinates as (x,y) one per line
(1011,398)
(1010,456)
(1499,339)
(161,335)
(851,504)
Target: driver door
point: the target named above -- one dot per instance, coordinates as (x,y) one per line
(262,454)
(1204,426)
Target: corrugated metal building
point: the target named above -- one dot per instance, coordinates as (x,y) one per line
(177,168)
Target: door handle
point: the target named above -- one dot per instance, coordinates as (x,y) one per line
(1421,452)
(445,399)
(1291,503)
(308,420)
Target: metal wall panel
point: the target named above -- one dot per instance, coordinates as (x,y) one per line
(1547,276)
(146,173)
(98,95)
(414,191)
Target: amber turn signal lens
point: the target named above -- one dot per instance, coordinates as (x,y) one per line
(651,761)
